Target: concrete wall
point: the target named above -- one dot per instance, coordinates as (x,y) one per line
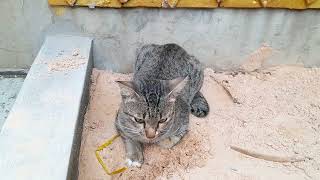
(220,38)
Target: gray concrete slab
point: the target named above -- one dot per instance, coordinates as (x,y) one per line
(9,88)
(40,138)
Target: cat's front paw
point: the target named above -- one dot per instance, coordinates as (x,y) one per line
(169,142)
(199,111)
(133,163)
(199,106)
(134,160)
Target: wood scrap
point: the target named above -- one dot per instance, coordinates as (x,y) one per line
(266,156)
(234,100)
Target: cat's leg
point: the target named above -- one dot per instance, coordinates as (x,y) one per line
(199,105)
(134,152)
(172,141)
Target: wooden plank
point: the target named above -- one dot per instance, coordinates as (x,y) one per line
(99,3)
(197,4)
(135,3)
(240,4)
(315,4)
(290,4)
(179,3)
(57,2)
(88,3)
(143,3)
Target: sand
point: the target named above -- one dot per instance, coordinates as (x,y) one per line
(66,62)
(276,113)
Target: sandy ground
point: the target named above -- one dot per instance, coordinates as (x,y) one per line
(274,111)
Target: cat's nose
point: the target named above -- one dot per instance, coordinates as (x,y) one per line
(150,133)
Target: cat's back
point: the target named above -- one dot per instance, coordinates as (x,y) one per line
(166,61)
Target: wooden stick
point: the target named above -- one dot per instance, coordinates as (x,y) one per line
(234,100)
(266,156)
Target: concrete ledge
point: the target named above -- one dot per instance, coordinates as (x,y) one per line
(40,138)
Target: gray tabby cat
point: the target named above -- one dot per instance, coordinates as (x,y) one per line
(156,104)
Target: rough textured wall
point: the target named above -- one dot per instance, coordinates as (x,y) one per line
(221,38)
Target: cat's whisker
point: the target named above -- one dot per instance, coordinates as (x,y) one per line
(127,128)
(175,130)
(131,130)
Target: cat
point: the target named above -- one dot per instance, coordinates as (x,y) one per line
(156,104)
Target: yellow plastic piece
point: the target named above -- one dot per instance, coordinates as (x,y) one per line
(104,166)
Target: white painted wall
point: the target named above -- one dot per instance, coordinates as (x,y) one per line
(220,38)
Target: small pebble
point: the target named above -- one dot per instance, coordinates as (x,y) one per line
(75,53)
(233,169)
(92,127)
(269,144)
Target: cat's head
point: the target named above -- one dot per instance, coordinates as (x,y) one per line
(149,104)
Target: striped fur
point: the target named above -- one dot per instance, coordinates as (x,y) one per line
(156,104)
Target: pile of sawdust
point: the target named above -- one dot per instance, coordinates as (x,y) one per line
(272,111)
(276,113)
(66,62)
(257,59)
(192,152)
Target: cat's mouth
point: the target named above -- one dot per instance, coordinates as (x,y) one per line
(156,139)
(146,140)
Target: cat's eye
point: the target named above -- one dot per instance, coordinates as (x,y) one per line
(163,120)
(138,120)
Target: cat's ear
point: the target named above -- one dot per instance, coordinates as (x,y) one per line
(176,86)
(127,89)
